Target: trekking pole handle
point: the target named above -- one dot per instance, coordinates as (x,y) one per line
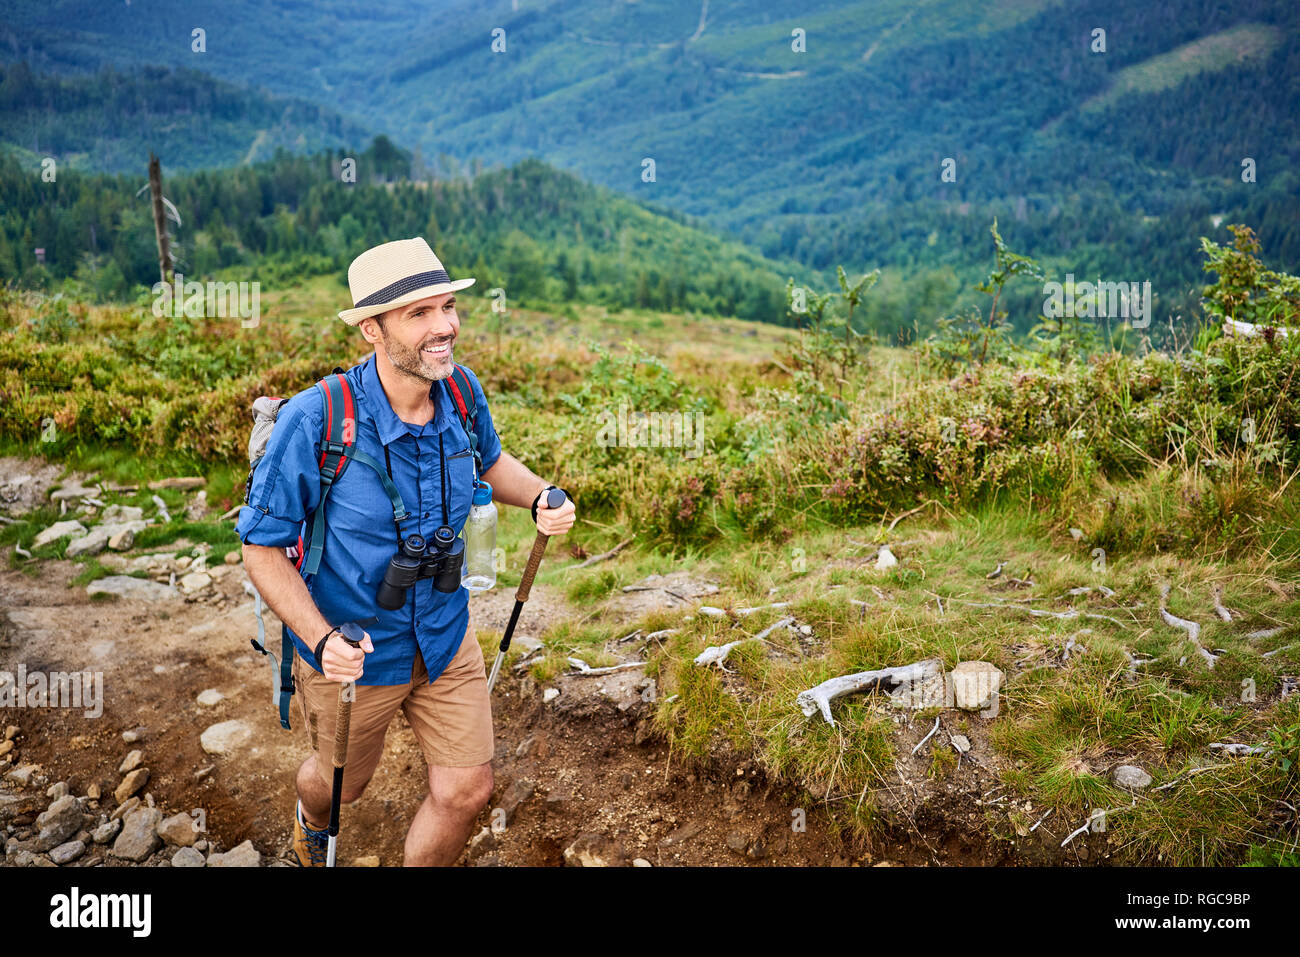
(352,634)
(554,499)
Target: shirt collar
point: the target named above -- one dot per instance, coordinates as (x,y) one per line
(380,410)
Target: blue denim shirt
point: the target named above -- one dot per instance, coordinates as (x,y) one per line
(360,535)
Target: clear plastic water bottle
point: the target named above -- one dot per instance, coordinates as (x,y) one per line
(480,534)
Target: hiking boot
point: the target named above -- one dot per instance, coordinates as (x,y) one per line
(310,846)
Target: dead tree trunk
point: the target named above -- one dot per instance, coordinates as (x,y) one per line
(159,219)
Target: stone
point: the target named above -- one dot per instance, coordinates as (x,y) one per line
(23,775)
(188,857)
(28,859)
(197,509)
(245,855)
(975,684)
(226,738)
(131,762)
(737,842)
(68,852)
(139,589)
(527,645)
(93,791)
(210,697)
(106,831)
(59,530)
(117,514)
(130,784)
(550,694)
(519,792)
(178,829)
(57,791)
(961,743)
(641,862)
(135,734)
(11,731)
(232,558)
(195,582)
(5,747)
(1130,776)
(60,821)
(125,808)
(139,837)
(122,541)
(594,850)
(98,538)
(72,491)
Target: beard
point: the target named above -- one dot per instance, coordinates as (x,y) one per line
(418,365)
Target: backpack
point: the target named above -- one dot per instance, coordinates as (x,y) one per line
(337,447)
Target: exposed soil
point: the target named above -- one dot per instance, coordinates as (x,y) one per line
(582,764)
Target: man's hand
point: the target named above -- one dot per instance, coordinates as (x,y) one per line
(340,661)
(555,521)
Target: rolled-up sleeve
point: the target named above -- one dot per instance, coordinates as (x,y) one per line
(286,482)
(489,446)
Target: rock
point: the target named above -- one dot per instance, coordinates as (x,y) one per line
(98,538)
(202,773)
(932,692)
(370,860)
(960,742)
(10,732)
(23,775)
(131,762)
(188,857)
(57,791)
(131,783)
(641,862)
(61,820)
(1130,776)
(519,792)
(182,482)
(195,582)
(124,586)
(885,558)
(106,831)
(67,852)
(197,509)
(59,530)
(232,558)
(125,808)
(135,734)
(975,684)
(245,855)
(683,833)
(210,697)
(122,541)
(139,838)
(120,514)
(737,842)
(594,850)
(184,561)
(72,491)
(200,845)
(550,694)
(178,829)
(5,747)
(225,738)
(28,859)
(93,792)
(527,644)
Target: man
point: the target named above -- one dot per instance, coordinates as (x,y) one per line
(423,657)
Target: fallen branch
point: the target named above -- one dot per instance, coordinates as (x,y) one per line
(1071,644)
(920,744)
(165,515)
(905,515)
(586,669)
(1087,825)
(1192,628)
(1088,589)
(21,552)
(604,555)
(1041,820)
(717,654)
(750,611)
(1267,632)
(997,571)
(1250,329)
(230,513)
(1043,613)
(819,698)
(1225,614)
(1241,750)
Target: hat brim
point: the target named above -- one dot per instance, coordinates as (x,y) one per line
(354,316)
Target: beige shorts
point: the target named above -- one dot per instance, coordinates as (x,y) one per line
(451,718)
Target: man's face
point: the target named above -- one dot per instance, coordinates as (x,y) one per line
(419,337)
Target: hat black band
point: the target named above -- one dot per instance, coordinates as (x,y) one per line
(403,286)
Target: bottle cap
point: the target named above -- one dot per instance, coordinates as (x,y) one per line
(483,493)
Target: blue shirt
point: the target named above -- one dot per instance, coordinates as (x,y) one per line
(360,535)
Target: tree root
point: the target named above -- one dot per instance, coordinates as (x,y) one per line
(819,698)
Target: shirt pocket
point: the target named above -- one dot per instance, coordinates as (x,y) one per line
(460,478)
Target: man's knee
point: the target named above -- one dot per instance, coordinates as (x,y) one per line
(466,791)
(315,770)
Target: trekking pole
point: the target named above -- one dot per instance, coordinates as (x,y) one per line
(352,634)
(554,499)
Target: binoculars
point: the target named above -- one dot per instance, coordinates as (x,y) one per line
(439,559)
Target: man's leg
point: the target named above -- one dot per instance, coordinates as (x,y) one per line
(443,823)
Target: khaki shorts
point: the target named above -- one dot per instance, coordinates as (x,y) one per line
(451,718)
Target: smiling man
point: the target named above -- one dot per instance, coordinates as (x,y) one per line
(423,657)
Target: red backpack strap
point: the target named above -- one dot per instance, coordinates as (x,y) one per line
(462,395)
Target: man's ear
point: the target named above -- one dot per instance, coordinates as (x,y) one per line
(371,329)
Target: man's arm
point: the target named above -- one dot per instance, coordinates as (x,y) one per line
(513,483)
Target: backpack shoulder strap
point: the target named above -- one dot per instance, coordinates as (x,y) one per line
(462,396)
(338,439)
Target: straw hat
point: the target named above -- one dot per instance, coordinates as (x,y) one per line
(395,274)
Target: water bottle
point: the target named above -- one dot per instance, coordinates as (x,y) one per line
(480,534)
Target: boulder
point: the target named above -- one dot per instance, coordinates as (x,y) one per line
(106,831)
(124,586)
(122,541)
(245,855)
(188,857)
(60,821)
(195,582)
(131,783)
(139,837)
(115,514)
(58,530)
(179,830)
(1130,776)
(210,697)
(225,738)
(975,684)
(68,852)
